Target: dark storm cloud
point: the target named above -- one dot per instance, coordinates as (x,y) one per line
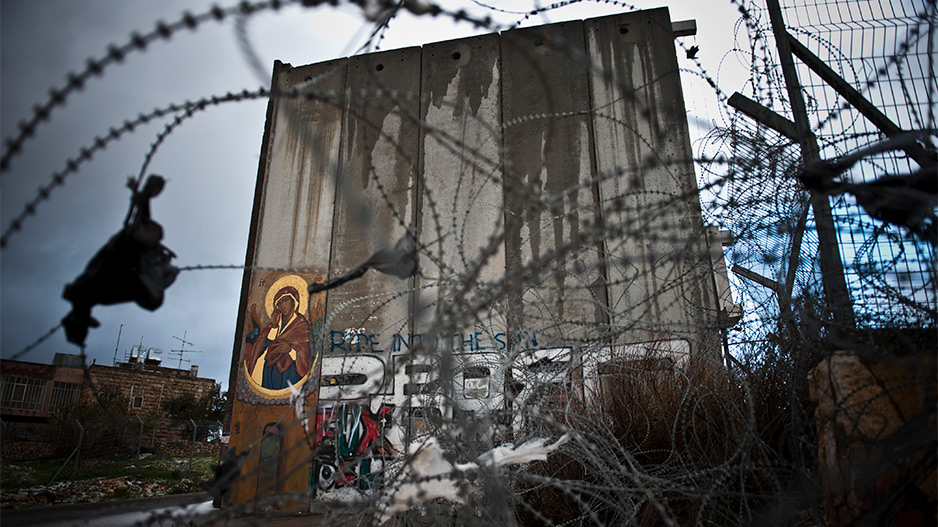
(210,163)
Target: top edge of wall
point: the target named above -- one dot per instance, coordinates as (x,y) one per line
(641,13)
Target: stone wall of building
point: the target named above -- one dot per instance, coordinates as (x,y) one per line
(115,402)
(29,390)
(146,388)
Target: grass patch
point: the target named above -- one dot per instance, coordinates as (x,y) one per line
(16,475)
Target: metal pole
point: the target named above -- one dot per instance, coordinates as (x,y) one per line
(182,350)
(118,345)
(139,444)
(832,271)
(3,435)
(81,437)
(192,448)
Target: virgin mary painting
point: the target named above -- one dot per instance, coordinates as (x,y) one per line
(277,354)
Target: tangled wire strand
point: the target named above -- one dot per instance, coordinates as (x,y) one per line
(649,432)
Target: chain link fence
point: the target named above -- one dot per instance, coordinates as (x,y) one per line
(123,441)
(803,420)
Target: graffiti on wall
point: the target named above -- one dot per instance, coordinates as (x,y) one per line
(366,418)
(351,445)
(358,340)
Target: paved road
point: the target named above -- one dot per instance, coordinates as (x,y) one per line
(164,511)
(107,514)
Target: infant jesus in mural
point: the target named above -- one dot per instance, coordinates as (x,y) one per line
(277,355)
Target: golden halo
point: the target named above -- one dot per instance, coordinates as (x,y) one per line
(291,280)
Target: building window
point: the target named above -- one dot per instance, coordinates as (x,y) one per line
(137,402)
(22,393)
(64,395)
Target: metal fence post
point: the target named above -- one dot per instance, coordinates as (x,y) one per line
(76,452)
(3,435)
(81,437)
(192,447)
(832,271)
(139,444)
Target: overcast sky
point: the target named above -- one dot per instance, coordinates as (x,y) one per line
(210,162)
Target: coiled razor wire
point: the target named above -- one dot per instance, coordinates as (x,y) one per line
(659,440)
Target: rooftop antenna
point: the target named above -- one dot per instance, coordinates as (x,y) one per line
(180,352)
(118,345)
(183,349)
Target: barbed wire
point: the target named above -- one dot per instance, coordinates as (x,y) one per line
(86,153)
(654,435)
(37,342)
(95,67)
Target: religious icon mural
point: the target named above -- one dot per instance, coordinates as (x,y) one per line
(280,342)
(278,352)
(278,355)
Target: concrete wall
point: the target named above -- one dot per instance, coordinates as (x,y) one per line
(557,156)
(547,174)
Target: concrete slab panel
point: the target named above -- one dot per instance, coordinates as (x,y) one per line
(376,192)
(654,233)
(295,230)
(553,250)
(547,175)
(461,205)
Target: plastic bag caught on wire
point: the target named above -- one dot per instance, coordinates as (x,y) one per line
(401,261)
(132,266)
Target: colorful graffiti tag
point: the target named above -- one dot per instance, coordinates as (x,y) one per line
(350,446)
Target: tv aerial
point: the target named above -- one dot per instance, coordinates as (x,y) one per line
(182,350)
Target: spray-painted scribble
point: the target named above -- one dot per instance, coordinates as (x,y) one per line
(350,446)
